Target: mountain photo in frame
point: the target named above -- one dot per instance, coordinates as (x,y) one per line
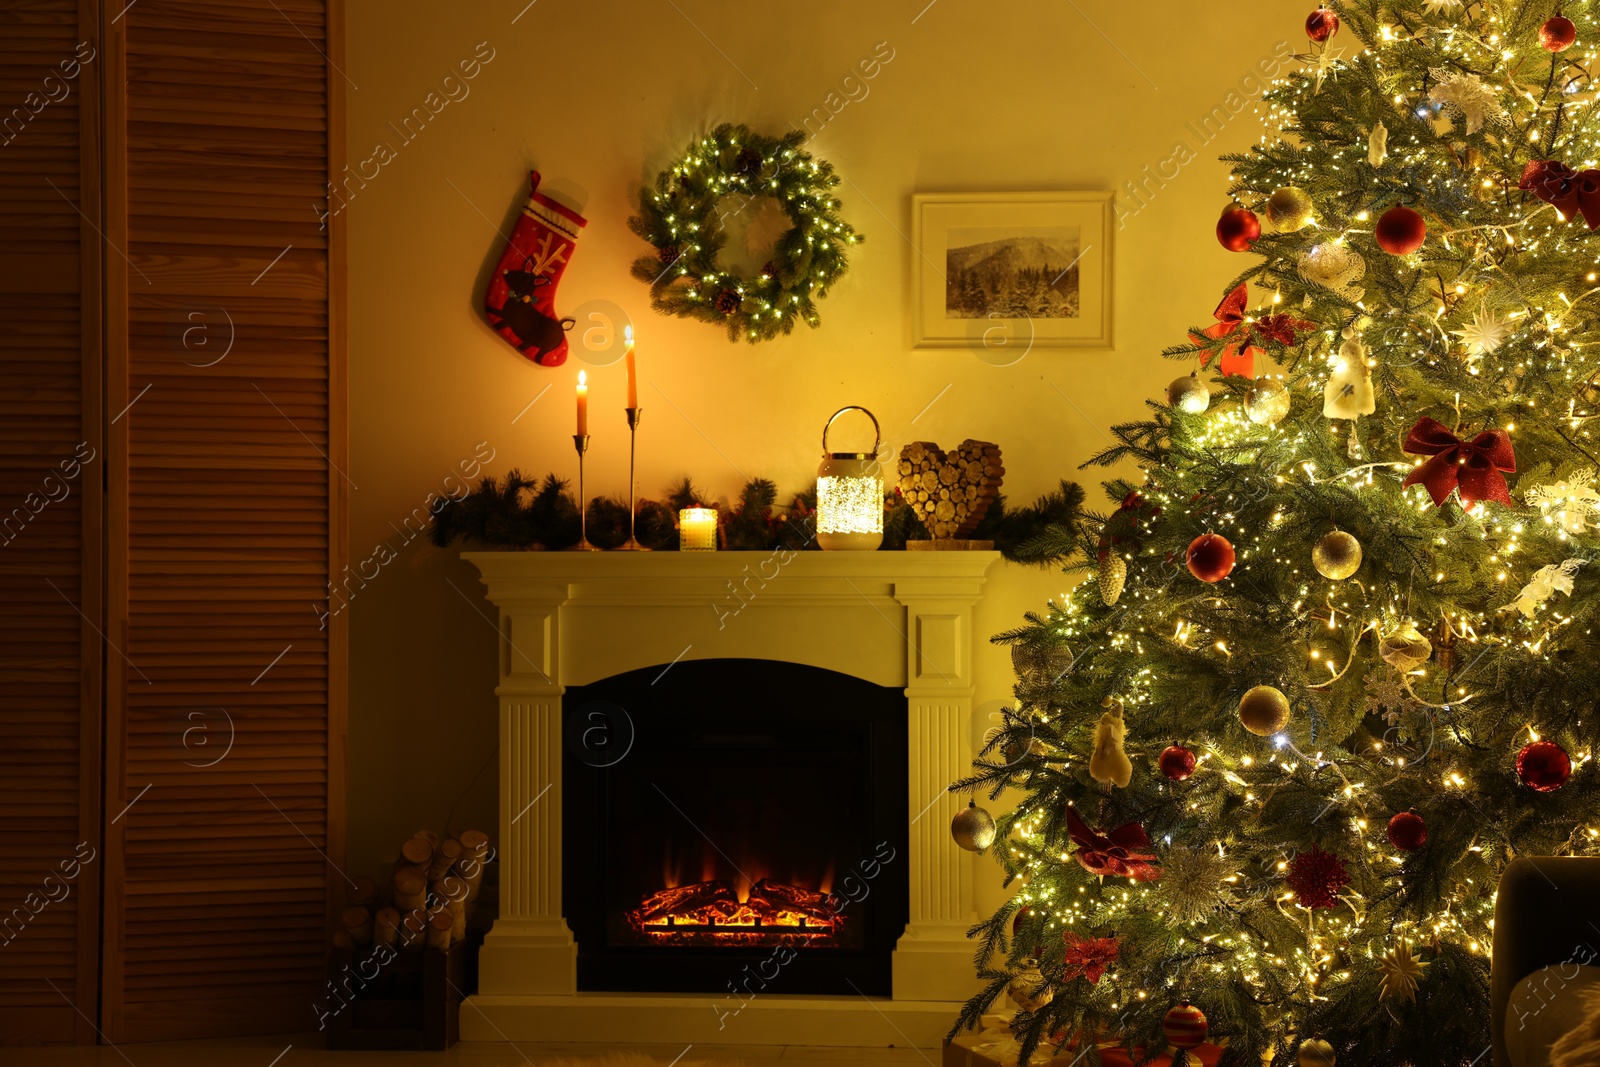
(1012,270)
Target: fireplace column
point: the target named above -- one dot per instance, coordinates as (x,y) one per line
(933,959)
(530,949)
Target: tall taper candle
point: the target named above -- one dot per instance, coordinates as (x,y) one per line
(583,403)
(633,371)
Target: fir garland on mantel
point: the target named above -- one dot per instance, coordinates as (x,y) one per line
(527,514)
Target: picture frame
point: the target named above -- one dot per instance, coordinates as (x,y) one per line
(1011,271)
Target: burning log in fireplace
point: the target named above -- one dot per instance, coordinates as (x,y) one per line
(712,910)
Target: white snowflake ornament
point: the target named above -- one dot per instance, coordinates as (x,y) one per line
(1485,333)
(1442,7)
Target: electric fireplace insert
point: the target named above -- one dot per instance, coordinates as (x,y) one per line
(735,826)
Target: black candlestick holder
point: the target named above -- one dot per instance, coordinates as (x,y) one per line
(632,544)
(580,441)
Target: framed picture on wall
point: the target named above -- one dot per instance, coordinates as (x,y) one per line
(1011,271)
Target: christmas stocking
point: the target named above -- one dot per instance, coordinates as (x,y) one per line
(521,301)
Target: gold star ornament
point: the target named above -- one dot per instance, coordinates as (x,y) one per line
(1401,972)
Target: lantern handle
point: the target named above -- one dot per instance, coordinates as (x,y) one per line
(877,433)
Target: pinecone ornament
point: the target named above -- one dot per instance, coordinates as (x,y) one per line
(1111,574)
(748,162)
(728,301)
(668,253)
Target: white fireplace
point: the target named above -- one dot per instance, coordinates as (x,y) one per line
(900,619)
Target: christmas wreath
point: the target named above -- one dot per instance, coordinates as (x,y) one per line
(679,215)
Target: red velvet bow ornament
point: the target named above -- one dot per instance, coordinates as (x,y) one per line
(1087,957)
(1239,355)
(1572,192)
(1116,852)
(1475,467)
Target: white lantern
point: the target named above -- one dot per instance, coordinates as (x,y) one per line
(850,493)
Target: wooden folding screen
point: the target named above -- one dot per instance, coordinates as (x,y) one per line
(224,718)
(172,295)
(51,475)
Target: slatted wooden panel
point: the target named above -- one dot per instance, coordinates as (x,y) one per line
(225,722)
(49,523)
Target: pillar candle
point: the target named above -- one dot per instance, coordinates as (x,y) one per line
(583,404)
(633,371)
(697,529)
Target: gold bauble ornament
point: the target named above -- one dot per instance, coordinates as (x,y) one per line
(1337,555)
(1289,209)
(1315,1052)
(1264,710)
(1189,394)
(973,828)
(1404,648)
(1024,990)
(1267,402)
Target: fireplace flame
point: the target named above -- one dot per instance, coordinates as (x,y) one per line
(714,911)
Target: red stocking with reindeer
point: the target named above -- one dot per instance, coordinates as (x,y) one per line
(521,301)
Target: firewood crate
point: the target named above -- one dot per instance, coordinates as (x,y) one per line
(410,1002)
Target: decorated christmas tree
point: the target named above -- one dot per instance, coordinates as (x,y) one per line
(1337,663)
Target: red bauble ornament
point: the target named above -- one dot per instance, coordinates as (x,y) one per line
(1210,557)
(1544,765)
(1176,762)
(1557,34)
(1184,1025)
(1407,831)
(1016,920)
(1321,24)
(1316,878)
(1400,231)
(1238,229)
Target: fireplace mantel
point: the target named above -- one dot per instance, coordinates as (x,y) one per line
(901,619)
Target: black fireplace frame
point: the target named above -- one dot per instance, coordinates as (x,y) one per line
(753,696)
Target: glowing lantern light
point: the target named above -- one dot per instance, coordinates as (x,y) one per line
(850,493)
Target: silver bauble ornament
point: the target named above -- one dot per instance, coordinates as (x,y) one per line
(1189,394)
(1111,573)
(1267,402)
(1404,648)
(1289,209)
(973,828)
(1336,555)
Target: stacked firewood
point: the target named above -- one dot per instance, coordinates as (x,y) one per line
(427,899)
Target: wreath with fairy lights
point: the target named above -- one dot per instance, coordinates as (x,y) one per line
(681,216)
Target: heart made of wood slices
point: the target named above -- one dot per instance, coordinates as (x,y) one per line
(951,492)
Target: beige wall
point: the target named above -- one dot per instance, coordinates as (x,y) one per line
(1005,95)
